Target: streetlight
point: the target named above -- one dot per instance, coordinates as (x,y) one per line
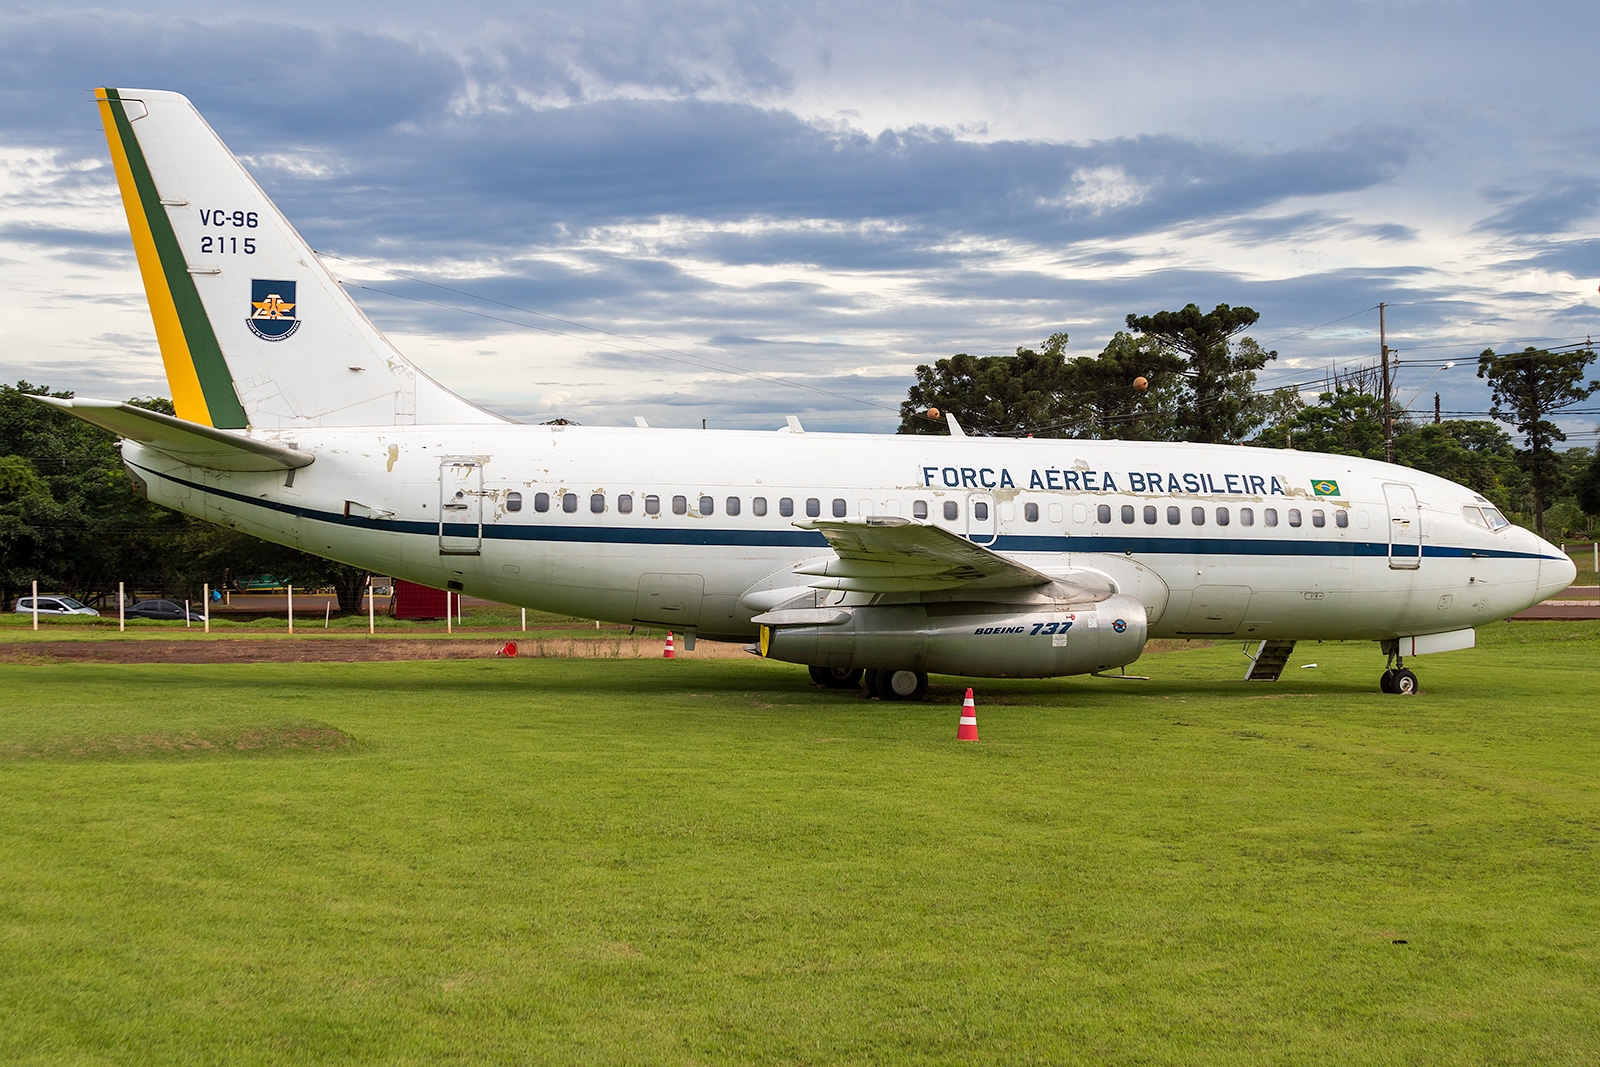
(1448,365)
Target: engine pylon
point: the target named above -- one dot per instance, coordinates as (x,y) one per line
(968,730)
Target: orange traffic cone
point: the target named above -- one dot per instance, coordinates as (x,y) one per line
(968,730)
(667,653)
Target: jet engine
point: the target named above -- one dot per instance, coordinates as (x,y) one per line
(1041,639)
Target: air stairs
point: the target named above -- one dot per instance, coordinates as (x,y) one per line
(1269,660)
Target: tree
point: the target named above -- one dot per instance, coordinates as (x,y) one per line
(1587,486)
(1527,387)
(1220,404)
(1044,394)
(1100,399)
(989,395)
(1343,421)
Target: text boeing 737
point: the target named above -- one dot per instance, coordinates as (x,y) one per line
(896,555)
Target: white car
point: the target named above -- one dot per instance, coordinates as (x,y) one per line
(53,605)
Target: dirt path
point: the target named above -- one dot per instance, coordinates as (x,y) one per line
(362,649)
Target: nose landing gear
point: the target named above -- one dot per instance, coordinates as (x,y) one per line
(1397,678)
(894,685)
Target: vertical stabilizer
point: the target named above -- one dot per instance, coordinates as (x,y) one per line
(254,331)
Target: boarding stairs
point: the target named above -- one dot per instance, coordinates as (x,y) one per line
(1269,660)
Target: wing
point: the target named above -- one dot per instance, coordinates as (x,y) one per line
(892,555)
(186,442)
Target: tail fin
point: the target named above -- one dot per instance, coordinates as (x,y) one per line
(254,332)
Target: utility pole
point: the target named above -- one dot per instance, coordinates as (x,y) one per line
(1388,415)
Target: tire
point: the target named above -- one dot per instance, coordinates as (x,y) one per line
(902,685)
(1386,682)
(817,677)
(869,683)
(836,677)
(1405,683)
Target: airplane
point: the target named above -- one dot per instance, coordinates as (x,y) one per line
(872,559)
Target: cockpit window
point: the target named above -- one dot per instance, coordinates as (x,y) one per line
(1474,516)
(1497,521)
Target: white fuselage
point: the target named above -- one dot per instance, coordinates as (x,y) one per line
(1254,551)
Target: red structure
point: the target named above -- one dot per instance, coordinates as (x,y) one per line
(413,601)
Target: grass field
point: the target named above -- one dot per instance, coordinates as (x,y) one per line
(551,861)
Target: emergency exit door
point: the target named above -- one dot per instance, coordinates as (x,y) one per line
(460,507)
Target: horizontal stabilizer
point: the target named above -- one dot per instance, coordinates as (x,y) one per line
(186,442)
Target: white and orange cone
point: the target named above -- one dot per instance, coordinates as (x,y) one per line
(968,730)
(668,653)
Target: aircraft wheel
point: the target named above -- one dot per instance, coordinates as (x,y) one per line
(902,685)
(837,677)
(1386,682)
(1405,682)
(869,683)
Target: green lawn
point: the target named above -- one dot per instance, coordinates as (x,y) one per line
(712,862)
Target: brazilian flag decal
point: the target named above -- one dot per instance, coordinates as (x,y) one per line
(1325,487)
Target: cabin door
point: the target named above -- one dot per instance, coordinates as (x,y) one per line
(460,507)
(1405,527)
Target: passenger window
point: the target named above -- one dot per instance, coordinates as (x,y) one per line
(919,509)
(1294,516)
(1222,516)
(569,502)
(513,501)
(785,507)
(1247,516)
(1102,513)
(813,507)
(1341,518)
(680,505)
(625,504)
(708,506)
(1319,518)
(838,507)
(1474,516)
(952,511)
(1149,514)
(758,506)
(1127,514)
(597,503)
(980,510)
(541,502)
(731,505)
(652,505)
(1269,517)
(1174,516)
(1030,512)
(1197,516)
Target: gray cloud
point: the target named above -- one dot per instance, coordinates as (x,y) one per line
(1562,202)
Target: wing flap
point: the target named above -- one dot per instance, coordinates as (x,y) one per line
(187,442)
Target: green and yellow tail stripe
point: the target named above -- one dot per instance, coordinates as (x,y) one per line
(202,387)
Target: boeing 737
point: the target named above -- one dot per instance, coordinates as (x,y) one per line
(872,559)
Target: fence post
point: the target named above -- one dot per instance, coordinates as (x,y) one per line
(524,620)
(205,593)
(372,610)
(291,608)
(36,603)
(449,613)
(186,613)
(122,612)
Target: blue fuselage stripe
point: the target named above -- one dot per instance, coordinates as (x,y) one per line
(653,533)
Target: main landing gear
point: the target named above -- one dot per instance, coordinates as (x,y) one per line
(1397,678)
(885,685)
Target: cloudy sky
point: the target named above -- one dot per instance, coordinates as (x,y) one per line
(737,211)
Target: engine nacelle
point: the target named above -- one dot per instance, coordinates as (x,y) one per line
(1042,640)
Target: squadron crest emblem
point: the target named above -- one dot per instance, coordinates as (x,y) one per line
(272,305)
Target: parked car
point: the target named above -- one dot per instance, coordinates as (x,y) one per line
(53,605)
(161,609)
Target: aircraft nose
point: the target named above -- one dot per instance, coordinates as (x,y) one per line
(1556,570)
